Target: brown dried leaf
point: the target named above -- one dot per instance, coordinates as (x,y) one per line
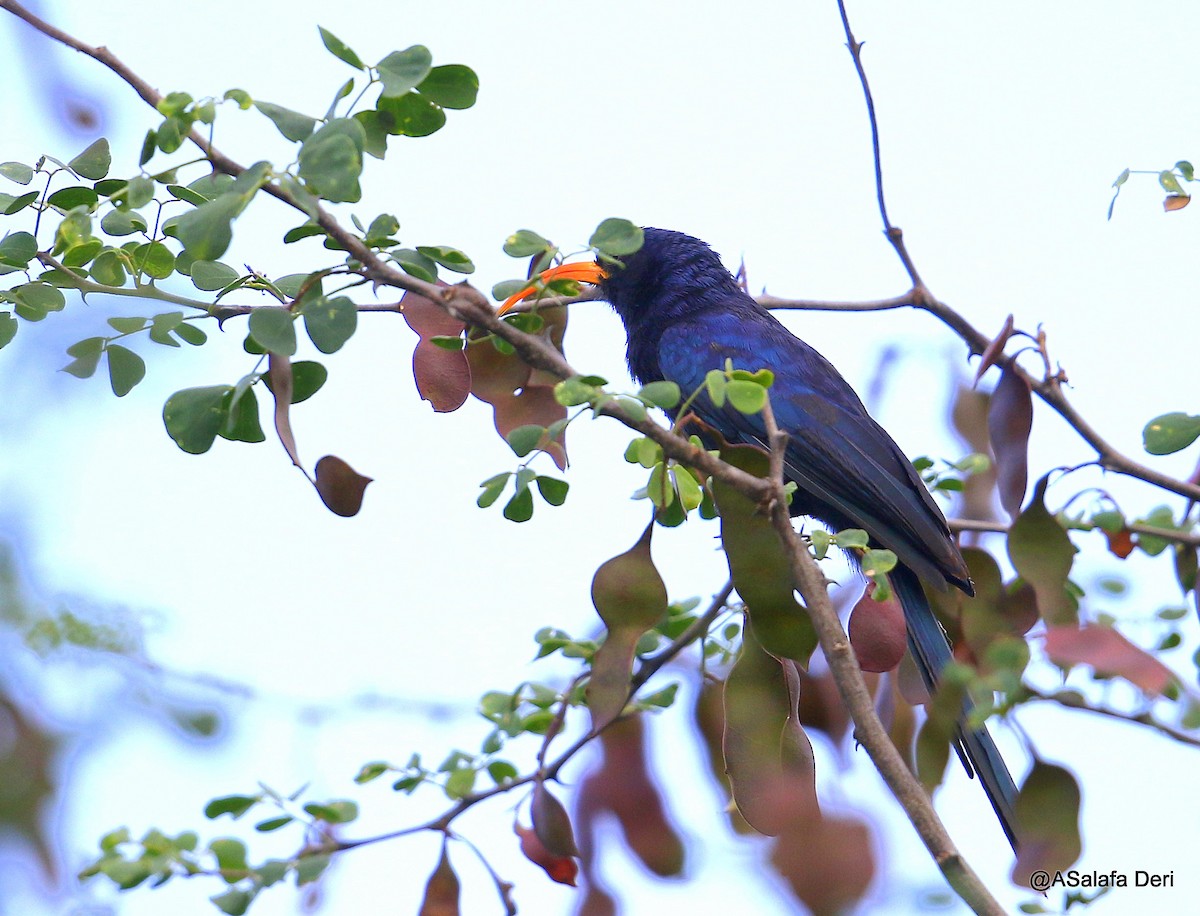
(994,349)
(623,786)
(441,891)
(630,598)
(1109,653)
(1010,419)
(443,376)
(1047,822)
(495,376)
(828,861)
(30,768)
(279,371)
(535,405)
(1176,202)
(877,632)
(562,869)
(340,487)
(428,318)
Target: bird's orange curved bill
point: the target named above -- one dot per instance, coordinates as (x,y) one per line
(580,271)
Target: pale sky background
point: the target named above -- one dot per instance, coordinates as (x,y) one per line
(1003,127)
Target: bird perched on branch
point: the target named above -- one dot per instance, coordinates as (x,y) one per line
(684,315)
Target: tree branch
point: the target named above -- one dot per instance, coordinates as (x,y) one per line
(1190,538)
(1144,718)
(868,729)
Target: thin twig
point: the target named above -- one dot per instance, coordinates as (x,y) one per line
(1190,538)
(1143,718)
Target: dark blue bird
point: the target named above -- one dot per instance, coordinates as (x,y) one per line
(684,315)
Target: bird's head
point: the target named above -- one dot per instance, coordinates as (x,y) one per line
(663,277)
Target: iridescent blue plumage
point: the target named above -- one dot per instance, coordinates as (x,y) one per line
(684,315)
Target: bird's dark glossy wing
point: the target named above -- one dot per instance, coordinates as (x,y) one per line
(848,470)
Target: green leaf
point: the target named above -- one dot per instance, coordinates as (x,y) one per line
(233,902)
(187,195)
(109,269)
(231,857)
(212,275)
(553,490)
(520,507)
(492,488)
(331,160)
(194,417)
(661,394)
(242,423)
(340,49)
(128,325)
(307,378)
(17,249)
(1169,182)
(93,162)
(41,297)
(330,322)
(16,171)
(451,86)
(1170,433)
(123,222)
(412,115)
(403,70)
(524,243)
(138,192)
(190,334)
(450,258)
(291,124)
(524,439)
(69,198)
(715,384)
(154,259)
(8,329)
(334,812)
(746,397)
(240,96)
(206,231)
(416,264)
(616,237)
(310,867)
(273,823)
(10,205)
(80,254)
(274,329)
(125,369)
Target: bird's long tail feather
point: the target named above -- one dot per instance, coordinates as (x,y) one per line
(931,651)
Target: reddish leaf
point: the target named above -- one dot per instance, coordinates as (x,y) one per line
(428,318)
(495,376)
(630,598)
(901,721)
(994,349)
(562,869)
(551,823)
(441,891)
(1109,653)
(443,376)
(827,861)
(1120,542)
(282,382)
(821,706)
(340,486)
(1010,419)
(968,413)
(764,744)
(1042,554)
(1047,822)
(877,632)
(535,405)
(1176,202)
(622,785)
